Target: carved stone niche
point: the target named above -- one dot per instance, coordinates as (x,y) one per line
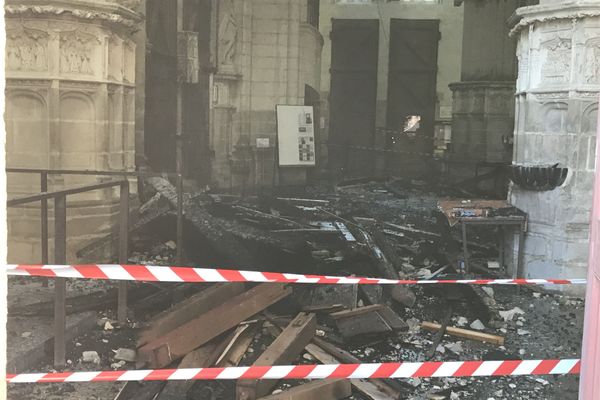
(79,53)
(26,50)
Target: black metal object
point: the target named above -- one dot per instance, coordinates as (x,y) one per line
(538,178)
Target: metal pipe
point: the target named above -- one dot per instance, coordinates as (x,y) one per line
(60,257)
(65,192)
(123,249)
(44,222)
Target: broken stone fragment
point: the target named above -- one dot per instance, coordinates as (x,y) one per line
(90,357)
(118,365)
(510,314)
(489,291)
(403,295)
(456,348)
(462,321)
(477,325)
(126,355)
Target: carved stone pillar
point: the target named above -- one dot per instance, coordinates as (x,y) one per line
(70,95)
(557,105)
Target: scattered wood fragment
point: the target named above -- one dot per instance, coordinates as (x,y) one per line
(325,390)
(367,322)
(189,309)
(357,311)
(303,201)
(465,333)
(373,389)
(239,344)
(328,309)
(268,216)
(414,231)
(202,357)
(285,349)
(177,343)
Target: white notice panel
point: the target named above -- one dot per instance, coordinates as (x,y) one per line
(296,136)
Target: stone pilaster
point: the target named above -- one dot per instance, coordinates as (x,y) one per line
(556,117)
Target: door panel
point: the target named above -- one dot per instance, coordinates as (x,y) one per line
(353,97)
(412,86)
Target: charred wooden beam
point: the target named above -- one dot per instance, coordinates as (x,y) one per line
(285,349)
(177,343)
(189,309)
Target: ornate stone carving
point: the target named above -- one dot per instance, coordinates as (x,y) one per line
(591,67)
(228,33)
(26,50)
(120,16)
(556,65)
(551,95)
(77,53)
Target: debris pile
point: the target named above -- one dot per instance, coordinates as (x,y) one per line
(388,229)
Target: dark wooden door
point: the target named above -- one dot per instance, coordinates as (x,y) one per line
(353,97)
(412,86)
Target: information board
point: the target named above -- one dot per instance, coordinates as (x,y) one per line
(296,136)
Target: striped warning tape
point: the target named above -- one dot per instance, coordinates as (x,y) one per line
(336,371)
(149,273)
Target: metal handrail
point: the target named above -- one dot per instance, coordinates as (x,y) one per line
(66,192)
(60,243)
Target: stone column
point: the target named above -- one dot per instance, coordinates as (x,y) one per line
(483,104)
(557,105)
(70,93)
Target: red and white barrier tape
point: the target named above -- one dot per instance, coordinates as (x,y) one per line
(348,371)
(149,273)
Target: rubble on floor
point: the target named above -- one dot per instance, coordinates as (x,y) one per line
(379,229)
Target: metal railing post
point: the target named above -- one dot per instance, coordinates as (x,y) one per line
(123,249)
(44,217)
(60,258)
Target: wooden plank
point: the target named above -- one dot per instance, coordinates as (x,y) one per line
(356,311)
(368,321)
(392,319)
(237,347)
(178,342)
(203,357)
(373,389)
(466,334)
(285,349)
(189,309)
(326,390)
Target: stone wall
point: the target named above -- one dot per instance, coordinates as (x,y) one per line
(267,53)
(556,119)
(70,104)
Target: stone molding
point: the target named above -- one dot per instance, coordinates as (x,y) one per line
(482,84)
(527,16)
(107,12)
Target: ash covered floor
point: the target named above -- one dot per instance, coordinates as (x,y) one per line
(294,234)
